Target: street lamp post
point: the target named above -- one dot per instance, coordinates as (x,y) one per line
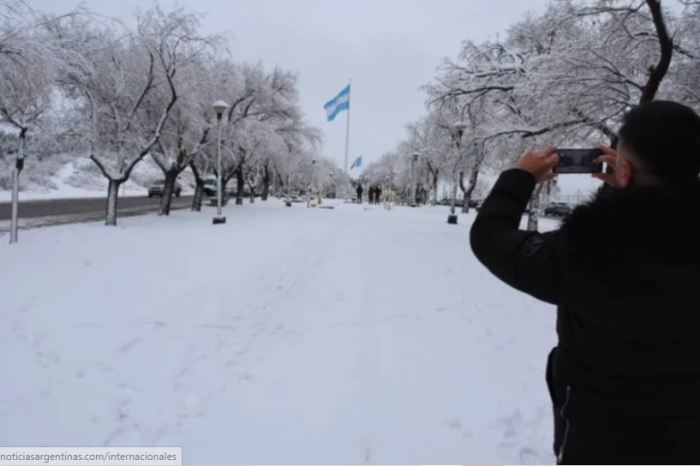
(288,200)
(19,165)
(459,127)
(453,203)
(310,190)
(220,108)
(314,181)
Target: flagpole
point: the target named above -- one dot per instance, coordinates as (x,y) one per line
(347,131)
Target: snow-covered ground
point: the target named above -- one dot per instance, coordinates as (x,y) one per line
(288,336)
(62,189)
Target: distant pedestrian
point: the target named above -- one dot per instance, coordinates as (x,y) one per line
(378,195)
(373,195)
(359,193)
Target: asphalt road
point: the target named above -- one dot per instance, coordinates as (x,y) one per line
(51,208)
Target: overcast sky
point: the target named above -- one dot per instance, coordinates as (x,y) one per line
(390,48)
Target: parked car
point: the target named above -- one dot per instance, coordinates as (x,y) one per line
(558,209)
(156,189)
(210,187)
(475,203)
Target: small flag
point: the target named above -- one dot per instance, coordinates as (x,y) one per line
(357,163)
(337,105)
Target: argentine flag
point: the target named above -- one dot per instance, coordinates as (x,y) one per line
(337,105)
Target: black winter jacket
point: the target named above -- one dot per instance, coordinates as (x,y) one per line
(624,271)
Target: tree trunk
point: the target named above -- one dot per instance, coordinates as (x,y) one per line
(199,189)
(465,204)
(168,190)
(279,185)
(657,74)
(435,179)
(534,210)
(252,194)
(473,178)
(266,185)
(240,186)
(659,71)
(453,201)
(224,190)
(198,196)
(112,198)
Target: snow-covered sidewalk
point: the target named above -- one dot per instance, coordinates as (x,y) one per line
(288,336)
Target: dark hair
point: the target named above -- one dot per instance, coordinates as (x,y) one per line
(665,138)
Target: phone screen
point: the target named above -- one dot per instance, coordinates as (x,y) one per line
(578,161)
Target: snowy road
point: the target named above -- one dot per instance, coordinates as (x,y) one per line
(49,208)
(289,336)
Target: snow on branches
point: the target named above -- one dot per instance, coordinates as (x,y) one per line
(565,76)
(126,91)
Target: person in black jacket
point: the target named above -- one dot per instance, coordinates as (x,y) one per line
(624,271)
(359,193)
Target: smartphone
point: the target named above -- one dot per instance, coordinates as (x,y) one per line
(574,161)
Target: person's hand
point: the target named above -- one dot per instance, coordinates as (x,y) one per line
(609,158)
(540,163)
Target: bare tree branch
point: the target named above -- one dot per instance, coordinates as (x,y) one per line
(659,71)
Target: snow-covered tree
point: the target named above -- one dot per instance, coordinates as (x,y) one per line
(126,86)
(297,144)
(255,97)
(31,61)
(188,129)
(567,75)
(685,70)
(147,89)
(426,138)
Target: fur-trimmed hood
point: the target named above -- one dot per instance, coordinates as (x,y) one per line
(639,235)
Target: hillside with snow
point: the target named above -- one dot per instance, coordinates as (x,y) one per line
(68,178)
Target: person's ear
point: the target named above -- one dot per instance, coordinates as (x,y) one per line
(626,175)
